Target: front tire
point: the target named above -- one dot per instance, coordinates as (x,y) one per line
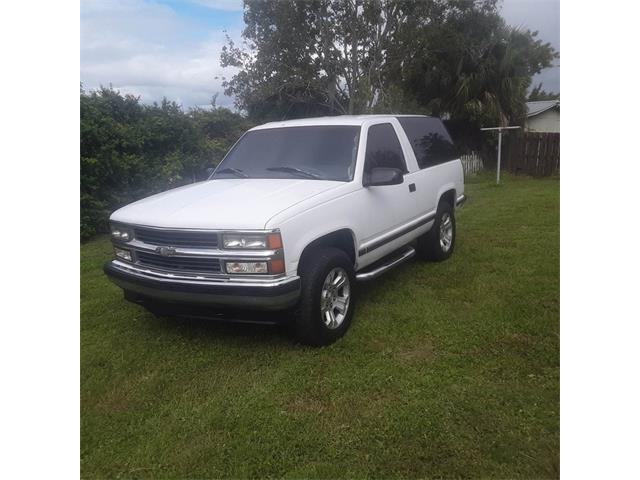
(438,243)
(326,306)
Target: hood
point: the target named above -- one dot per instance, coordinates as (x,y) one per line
(222,203)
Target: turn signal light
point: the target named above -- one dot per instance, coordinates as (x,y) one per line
(274,241)
(276,266)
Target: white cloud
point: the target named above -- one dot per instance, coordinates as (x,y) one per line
(147,49)
(232,5)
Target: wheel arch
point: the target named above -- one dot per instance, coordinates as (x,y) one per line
(449,195)
(343,239)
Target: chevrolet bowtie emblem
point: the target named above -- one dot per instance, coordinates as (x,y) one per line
(166,251)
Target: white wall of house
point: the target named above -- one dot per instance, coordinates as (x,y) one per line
(548,121)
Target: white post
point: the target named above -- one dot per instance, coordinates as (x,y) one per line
(499,129)
(499,156)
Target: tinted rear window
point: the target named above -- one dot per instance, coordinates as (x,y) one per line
(429,139)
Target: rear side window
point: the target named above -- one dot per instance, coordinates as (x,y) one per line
(383,148)
(429,139)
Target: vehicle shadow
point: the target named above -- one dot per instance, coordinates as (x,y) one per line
(254,329)
(240,327)
(259,328)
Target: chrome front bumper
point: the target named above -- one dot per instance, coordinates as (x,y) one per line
(267,294)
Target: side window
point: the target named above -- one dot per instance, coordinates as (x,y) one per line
(383,149)
(429,139)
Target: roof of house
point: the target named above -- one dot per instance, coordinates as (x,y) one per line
(536,108)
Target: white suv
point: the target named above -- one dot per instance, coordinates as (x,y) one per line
(295,214)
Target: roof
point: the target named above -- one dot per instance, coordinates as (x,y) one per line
(335,120)
(536,108)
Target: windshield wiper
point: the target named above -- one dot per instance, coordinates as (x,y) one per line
(235,171)
(296,171)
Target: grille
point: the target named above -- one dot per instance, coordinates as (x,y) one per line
(183,264)
(177,238)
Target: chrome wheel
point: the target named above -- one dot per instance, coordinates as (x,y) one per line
(334,300)
(446,232)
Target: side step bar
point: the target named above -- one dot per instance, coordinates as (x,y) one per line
(393,261)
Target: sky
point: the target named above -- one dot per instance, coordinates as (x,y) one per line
(171,48)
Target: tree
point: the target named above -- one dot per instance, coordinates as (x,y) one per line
(468,64)
(315,56)
(452,58)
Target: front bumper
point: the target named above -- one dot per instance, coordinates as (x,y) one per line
(271,294)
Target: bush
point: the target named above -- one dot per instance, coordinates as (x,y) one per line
(129,150)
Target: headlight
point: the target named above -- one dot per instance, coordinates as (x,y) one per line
(123,254)
(244,241)
(121,233)
(251,240)
(247,267)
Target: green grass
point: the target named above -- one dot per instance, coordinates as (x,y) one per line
(449,370)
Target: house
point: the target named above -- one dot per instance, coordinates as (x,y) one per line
(543,116)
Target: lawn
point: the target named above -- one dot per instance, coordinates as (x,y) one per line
(449,369)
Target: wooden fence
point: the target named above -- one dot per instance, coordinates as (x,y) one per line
(471,163)
(531,153)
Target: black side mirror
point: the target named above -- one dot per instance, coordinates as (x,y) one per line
(383,176)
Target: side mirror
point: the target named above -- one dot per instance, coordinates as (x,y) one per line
(383,176)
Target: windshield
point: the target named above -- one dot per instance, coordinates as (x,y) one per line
(322,152)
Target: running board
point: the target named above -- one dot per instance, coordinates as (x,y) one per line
(393,261)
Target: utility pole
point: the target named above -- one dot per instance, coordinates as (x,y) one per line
(499,129)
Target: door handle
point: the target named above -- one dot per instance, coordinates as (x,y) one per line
(412,187)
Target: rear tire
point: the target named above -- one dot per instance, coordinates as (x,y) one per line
(325,310)
(438,243)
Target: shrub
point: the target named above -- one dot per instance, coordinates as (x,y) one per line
(129,150)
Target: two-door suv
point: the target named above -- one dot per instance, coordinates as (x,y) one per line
(295,214)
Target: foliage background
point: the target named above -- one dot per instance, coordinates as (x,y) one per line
(129,150)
